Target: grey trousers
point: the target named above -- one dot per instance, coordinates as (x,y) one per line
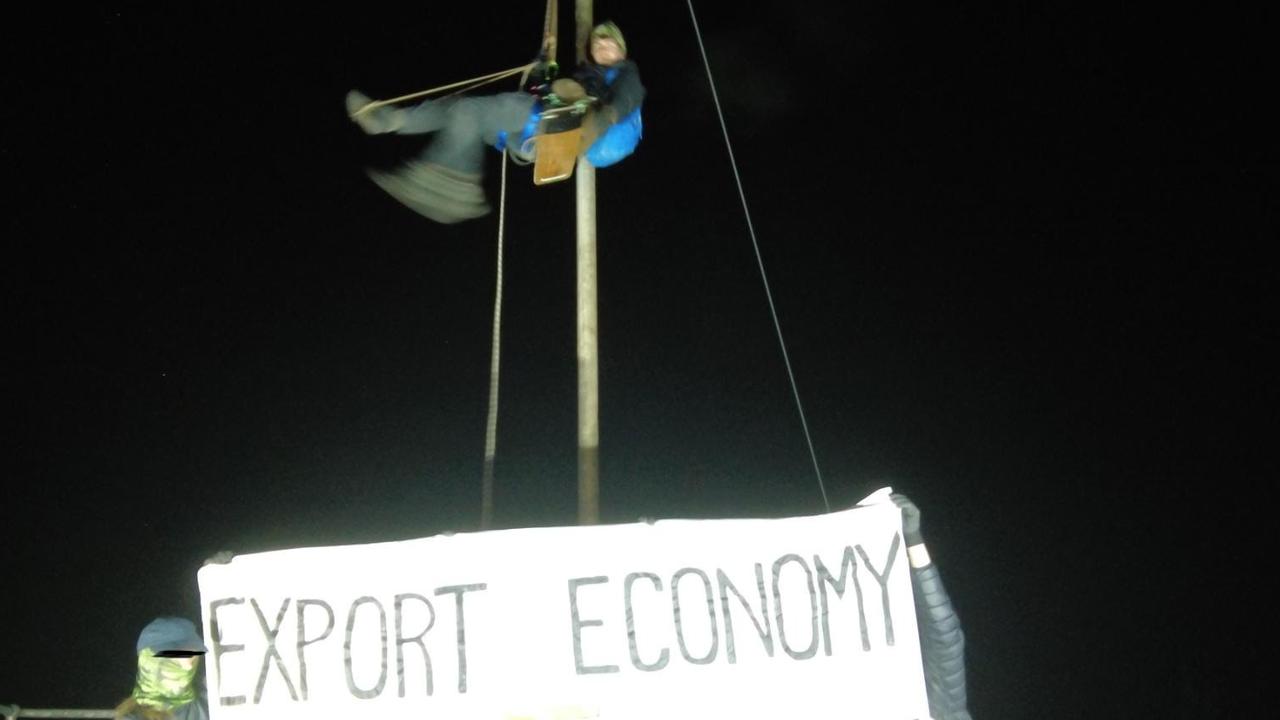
(464,125)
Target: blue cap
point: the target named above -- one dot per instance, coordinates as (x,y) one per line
(171,635)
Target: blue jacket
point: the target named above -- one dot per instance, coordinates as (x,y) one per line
(621,94)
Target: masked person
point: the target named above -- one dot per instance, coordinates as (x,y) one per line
(167,686)
(444,182)
(941,639)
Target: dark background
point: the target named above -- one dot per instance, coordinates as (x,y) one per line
(1019,258)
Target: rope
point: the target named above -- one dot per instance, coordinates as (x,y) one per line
(474,83)
(550,19)
(795,391)
(491,422)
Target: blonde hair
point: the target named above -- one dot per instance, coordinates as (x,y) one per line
(609,30)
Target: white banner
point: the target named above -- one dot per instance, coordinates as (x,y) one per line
(807,617)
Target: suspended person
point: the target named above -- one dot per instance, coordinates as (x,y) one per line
(444,182)
(941,639)
(168,685)
(616,126)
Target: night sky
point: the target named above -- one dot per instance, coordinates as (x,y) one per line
(1017,256)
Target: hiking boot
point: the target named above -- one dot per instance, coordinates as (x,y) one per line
(434,191)
(374,121)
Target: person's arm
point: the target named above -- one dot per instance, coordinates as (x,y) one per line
(616,99)
(625,94)
(941,638)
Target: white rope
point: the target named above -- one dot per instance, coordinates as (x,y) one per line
(759,260)
(491,422)
(465,85)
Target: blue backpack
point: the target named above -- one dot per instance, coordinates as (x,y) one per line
(617,142)
(620,139)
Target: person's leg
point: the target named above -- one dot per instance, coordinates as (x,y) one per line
(506,112)
(444,182)
(427,116)
(512,115)
(469,124)
(434,191)
(374,121)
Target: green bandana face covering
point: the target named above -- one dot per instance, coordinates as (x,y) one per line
(163,682)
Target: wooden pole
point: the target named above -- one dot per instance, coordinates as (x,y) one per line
(13,711)
(588,328)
